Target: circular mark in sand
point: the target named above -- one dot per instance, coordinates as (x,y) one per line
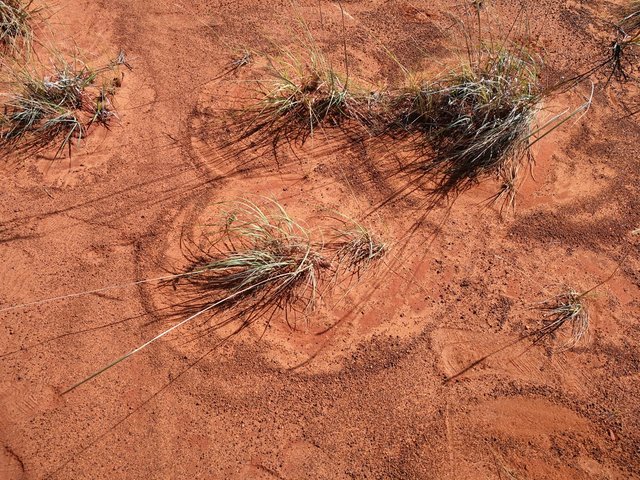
(349,314)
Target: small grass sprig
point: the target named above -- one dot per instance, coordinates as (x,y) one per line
(570,307)
(621,50)
(567,308)
(244,58)
(627,39)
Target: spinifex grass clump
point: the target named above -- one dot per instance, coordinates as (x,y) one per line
(303,97)
(265,262)
(262,261)
(478,121)
(56,108)
(566,308)
(15,25)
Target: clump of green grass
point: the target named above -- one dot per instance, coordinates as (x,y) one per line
(302,97)
(56,108)
(478,121)
(566,308)
(264,262)
(15,25)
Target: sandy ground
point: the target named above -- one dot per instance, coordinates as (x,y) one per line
(359,391)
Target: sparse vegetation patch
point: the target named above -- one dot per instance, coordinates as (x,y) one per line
(58,107)
(259,262)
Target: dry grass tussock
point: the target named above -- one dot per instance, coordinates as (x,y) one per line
(57,107)
(303,96)
(568,308)
(477,121)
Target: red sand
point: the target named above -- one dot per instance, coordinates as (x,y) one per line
(367,398)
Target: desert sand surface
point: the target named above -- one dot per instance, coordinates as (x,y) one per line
(421,368)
